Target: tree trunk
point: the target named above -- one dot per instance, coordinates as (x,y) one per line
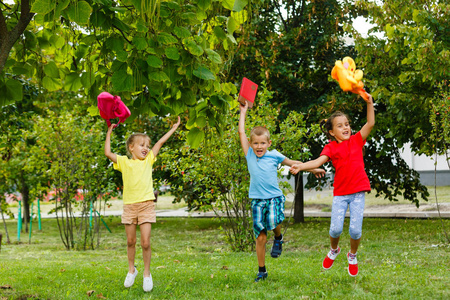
(299,215)
(6,230)
(9,38)
(25,191)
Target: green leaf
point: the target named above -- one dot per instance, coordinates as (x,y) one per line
(239,5)
(42,6)
(51,84)
(79,12)
(204,73)
(232,25)
(154,61)
(195,137)
(158,76)
(166,38)
(14,90)
(51,70)
(390,31)
(87,79)
(172,53)
(228,4)
(188,97)
(181,32)
(93,111)
(204,4)
(72,82)
(122,81)
(140,43)
(193,48)
(219,33)
(213,56)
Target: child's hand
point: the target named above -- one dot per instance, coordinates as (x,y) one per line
(110,128)
(319,173)
(369,100)
(175,126)
(295,169)
(243,108)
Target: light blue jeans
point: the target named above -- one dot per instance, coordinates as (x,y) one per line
(340,204)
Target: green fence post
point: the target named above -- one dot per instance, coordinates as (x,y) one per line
(39,215)
(104,223)
(19,220)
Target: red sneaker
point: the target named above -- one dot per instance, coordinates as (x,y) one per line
(329,259)
(352,264)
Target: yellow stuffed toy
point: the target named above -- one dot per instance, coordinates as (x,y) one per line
(348,77)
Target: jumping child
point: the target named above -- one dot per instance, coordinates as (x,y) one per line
(350,181)
(138,196)
(267,198)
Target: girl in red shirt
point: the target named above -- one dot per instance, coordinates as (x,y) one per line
(350,181)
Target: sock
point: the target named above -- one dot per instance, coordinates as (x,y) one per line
(262,269)
(278,238)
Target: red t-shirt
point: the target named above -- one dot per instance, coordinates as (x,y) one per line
(347,158)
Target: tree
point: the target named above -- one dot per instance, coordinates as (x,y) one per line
(68,154)
(161,56)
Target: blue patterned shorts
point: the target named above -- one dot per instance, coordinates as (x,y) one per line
(267,214)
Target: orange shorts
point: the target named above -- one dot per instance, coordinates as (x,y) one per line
(139,213)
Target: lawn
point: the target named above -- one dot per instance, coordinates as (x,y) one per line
(398,259)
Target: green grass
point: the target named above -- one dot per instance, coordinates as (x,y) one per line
(398,259)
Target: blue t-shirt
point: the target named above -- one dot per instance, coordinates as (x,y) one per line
(263,174)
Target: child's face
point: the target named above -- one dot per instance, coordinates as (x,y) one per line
(341,129)
(140,148)
(259,144)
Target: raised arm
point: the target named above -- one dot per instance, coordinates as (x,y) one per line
(241,129)
(108,153)
(310,165)
(367,128)
(157,146)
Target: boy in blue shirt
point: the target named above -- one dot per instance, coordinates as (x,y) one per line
(267,197)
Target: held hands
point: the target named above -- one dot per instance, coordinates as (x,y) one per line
(319,173)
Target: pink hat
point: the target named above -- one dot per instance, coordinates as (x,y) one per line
(112,107)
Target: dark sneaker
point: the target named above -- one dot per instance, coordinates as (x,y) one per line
(261,276)
(277,248)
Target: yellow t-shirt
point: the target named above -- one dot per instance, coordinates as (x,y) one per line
(137,178)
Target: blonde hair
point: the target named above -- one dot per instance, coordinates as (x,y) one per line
(132,139)
(259,131)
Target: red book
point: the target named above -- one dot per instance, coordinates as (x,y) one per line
(247,92)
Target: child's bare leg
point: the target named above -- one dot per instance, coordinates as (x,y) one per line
(277,230)
(261,241)
(146,249)
(334,242)
(130,230)
(354,244)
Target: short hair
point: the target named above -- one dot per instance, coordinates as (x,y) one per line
(258,131)
(132,138)
(327,124)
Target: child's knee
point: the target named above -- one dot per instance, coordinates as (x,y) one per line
(262,238)
(355,233)
(145,244)
(335,232)
(131,242)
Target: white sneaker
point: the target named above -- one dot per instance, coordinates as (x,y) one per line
(129,280)
(148,283)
